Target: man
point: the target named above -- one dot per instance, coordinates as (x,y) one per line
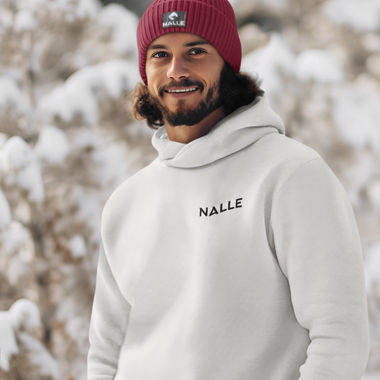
(235,254)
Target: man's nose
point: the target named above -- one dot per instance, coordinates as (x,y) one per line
(178,69)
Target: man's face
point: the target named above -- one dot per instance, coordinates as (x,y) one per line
(183,73)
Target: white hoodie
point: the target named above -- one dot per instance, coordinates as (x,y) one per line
(233,257)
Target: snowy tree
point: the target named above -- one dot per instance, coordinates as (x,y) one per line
(67,140)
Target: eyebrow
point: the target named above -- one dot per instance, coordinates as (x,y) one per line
(195,43)
(190,44)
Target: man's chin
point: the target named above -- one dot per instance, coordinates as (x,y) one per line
(187,115)
(183,112)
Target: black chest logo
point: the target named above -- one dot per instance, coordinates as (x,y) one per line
(174,19)
(226,206)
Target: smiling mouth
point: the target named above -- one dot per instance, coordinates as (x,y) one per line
(183,90)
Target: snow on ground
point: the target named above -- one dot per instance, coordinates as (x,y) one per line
(319,66)
(11,96)
(362,15)
(5,211)
(21,168)
(123,23)
(52,145)
(83,90)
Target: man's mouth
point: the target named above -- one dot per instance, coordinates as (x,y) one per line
(180,88)
(183,90)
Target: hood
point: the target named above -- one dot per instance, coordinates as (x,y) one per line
(241,128)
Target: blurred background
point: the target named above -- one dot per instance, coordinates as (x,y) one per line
(67,140)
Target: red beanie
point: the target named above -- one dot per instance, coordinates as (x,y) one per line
(214,20)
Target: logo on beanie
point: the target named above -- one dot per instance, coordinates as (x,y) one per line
(174,19)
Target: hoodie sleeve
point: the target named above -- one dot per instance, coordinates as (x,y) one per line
(319,250)
(109,319)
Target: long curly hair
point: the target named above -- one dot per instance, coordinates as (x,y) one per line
(236,90)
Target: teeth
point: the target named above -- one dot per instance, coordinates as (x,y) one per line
(186,90)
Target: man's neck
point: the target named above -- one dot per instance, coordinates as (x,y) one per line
(185,133)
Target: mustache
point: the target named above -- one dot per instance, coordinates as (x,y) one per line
(182,83)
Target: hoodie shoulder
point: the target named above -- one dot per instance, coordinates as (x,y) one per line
(287,149)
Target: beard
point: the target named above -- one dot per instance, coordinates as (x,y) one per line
(183,115)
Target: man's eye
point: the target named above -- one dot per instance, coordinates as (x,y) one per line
(196,51)
(160,54)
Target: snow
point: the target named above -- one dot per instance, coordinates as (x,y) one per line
(90,205)
(8,344)
(5,211)
(373,192)
(25,314)
(17,270)
(24,20)
(269,62)
(18,161)
(3,139)
(361,15)
(371,41)
(112,175)
(6,19)
(52,145)
(11,96)
(40,356)
(84,138)
(87,8)
(372,265)
(123,23)
(32,5)
(82,91)
(15,236)
(77,246)
(275,4)
(76,327)
(16,153)
(357,115)
(319,66)
(79,8)
(23,317)
(358,175)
